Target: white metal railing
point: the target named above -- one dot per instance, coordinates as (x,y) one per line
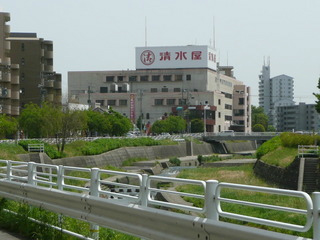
(308,150)
(97,183)
(36,147)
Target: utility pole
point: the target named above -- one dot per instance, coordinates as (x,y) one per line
(140,91)
(89,97)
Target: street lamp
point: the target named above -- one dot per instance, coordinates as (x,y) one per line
(204,119)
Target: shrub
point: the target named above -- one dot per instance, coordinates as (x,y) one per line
(268,146)
(175,161)
(200,159)
(50,150)
(292,140)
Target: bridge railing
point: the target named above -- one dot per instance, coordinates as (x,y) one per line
(98,183)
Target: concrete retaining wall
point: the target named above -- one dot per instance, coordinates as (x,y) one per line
(233,147)
(284,177)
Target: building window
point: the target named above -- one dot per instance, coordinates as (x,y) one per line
(188,77)
(219,114)
(109,78)
(23,61)
(111,102)
(147,116)
(158,102)
(241,101)
(238,112)
(154,90)
(219,101)
(155,78)
(22,47)
(177,89)
(22,76)
(171,101)
(144,78)
(227,95)
(103,89)
(166,77)
(132,78)
(227,106)
(178,77)
(228,118)
(100,101)
(165,89)
(120,78)
(123,102)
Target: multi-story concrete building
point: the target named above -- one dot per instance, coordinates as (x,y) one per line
(38,81)
(167,79)
(9,73)
(302,117)
(274,92)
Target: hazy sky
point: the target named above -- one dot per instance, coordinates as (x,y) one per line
(102,34)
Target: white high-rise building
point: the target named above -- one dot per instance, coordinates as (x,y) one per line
(274,92)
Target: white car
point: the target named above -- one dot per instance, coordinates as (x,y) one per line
(226,133)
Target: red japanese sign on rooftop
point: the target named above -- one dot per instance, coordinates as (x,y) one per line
(175,57)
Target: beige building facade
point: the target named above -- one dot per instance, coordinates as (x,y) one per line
(154,93)
(38,81)
(9,72)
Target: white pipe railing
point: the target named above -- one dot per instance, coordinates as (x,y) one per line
(51,176)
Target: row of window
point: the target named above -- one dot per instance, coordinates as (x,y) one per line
(147,78)
(153,90)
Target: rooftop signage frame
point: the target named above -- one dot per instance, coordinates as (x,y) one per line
(173,57)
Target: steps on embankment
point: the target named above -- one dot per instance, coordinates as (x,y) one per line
(311,175)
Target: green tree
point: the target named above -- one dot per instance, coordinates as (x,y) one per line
(317,95)
(119,124)
(31,120)
(258,128)
(71,124)
(8,126)
(159,126)
(175,124)
(197,125)
(259,117)
(97,122)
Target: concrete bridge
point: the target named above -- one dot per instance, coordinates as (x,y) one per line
(258,136)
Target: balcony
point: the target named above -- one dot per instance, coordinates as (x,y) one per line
(15,95)
(57,84)
(49,83)
(6,77)
(48,54)
(49,97)
(6,109)
(14,110)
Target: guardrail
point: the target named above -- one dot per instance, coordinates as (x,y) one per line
(53,188)
(307,150)
(36,147)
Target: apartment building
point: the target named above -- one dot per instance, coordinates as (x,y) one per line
(274,92)
(38,81)
(166,79)
(9,72)
(302,117)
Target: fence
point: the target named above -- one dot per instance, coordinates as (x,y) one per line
(92,198)
(308,150)
(36,147)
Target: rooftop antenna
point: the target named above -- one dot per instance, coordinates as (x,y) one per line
(145,32)
(227,58)
(214,35)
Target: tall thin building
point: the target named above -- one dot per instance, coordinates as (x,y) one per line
(9,73)
(274,92)
(38,81)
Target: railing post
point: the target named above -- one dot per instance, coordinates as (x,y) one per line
(9,170)
(210,200)
(143,190)
(60,178)
(316,219)
(31,173)
(94,191)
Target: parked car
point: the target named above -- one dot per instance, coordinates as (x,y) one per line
(226,133)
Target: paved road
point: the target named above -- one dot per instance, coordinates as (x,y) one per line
(4,235)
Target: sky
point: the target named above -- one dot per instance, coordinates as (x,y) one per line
(101,35)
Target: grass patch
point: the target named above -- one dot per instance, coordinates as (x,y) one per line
(244,175)
(10,151)
(131,161)
(282,156)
